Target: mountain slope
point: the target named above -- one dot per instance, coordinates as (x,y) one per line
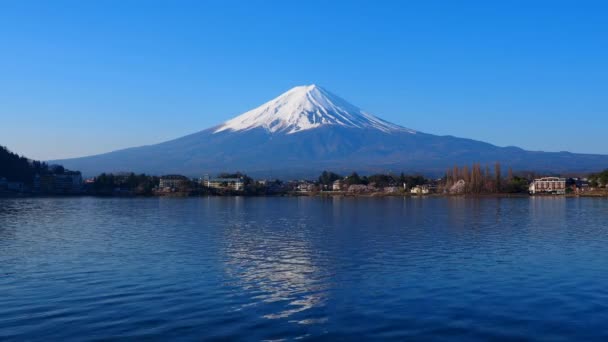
(308,129)
(303,108)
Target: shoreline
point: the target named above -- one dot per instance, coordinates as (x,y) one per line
(316,194)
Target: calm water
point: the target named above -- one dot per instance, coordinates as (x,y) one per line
(290,268)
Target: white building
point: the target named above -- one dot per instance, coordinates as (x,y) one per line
(305,186)
(420,190)
(237,184)
(553,185)
(337,185)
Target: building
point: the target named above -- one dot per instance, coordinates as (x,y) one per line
(237,184)
(337,185)
(420,190)
(305,186)
(550,185)
(68,182)
(170,182)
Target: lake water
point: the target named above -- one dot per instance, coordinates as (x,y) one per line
(311,268)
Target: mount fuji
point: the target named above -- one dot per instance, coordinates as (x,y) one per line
(307,107)
(307,130)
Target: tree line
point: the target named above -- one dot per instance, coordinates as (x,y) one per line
(139,184)
(599,179)
(327,178)
(479,180)
(16,168)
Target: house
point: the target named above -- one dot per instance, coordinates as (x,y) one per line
(305,186)
(420,190)
(170,182)
(337,185)
(551,185)
(237,184)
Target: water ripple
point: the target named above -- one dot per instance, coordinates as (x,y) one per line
(304,268)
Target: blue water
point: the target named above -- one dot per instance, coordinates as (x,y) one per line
(312,268)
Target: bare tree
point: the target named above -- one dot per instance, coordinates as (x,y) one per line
(497,176)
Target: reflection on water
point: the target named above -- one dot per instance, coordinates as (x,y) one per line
(274,267)
(474,269)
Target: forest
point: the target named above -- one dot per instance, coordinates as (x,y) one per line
(16,168)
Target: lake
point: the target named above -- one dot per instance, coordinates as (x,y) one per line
(471,269)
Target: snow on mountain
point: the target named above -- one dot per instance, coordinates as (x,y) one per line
(307,107)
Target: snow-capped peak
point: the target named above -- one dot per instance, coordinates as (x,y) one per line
(303,108)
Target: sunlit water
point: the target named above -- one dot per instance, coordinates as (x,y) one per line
(311,268)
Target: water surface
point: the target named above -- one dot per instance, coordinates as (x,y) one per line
(312,268)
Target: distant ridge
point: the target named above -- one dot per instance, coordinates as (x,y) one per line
(308,129)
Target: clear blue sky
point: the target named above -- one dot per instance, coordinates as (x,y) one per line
(84,77)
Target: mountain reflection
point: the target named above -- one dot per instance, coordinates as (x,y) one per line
(276,268)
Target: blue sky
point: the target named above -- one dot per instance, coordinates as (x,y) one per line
(85,77)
